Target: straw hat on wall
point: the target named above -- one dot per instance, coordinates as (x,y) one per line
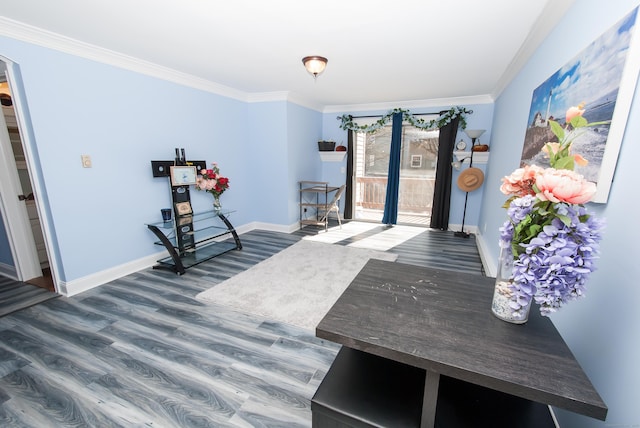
(470,179)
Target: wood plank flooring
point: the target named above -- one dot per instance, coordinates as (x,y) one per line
(141,351)
(16,295)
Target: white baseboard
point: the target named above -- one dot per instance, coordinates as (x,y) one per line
(88,282)
(488,263)
(473,230)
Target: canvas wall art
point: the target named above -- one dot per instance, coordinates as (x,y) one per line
(603,78)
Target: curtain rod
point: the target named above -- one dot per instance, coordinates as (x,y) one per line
(415,114)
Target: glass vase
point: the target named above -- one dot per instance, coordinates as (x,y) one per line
(216,204)
(501,304)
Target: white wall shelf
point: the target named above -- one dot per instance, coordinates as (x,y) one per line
(478,157)
(333,156)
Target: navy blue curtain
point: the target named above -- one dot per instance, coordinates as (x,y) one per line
(348,192)
(391,201)
(442,188)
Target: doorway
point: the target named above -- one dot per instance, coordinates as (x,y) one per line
(19,206)
(419,156)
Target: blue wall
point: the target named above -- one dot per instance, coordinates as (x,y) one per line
(601,329)
(123,120)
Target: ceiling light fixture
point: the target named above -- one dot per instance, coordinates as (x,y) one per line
(315,65)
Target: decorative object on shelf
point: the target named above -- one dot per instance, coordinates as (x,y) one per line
(211,181)
(550,236)
(341,148)
(315,65)
(470,179)
(166,214)
(481,148)
(326,146)
(447,116)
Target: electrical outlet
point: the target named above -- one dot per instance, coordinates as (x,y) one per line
(86,161)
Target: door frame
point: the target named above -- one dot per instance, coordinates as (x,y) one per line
(14,212)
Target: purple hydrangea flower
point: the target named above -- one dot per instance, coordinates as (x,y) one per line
(552,266)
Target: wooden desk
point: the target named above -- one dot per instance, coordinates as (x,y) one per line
(441,321)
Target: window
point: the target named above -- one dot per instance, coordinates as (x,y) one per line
(418,159)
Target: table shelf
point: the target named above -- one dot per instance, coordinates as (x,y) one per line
(441,323)
(198,255)
(192,239)
(362,389)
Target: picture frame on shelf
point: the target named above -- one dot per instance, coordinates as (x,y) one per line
(183,175)
(183,208)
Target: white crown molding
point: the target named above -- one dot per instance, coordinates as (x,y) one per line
(51,40)
(48,39)
(265,97)
(37,36)
(296,99)
(546,22)
(436,102)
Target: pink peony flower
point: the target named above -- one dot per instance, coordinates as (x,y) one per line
(563,185)
(520,182)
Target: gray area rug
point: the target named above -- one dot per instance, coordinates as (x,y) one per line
(298,285)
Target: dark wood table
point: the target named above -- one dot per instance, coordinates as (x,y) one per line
(441,321)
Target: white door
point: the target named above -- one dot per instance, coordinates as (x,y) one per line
(15,213)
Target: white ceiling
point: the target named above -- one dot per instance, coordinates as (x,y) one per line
(379,51)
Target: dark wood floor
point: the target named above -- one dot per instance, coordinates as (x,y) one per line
(141,351)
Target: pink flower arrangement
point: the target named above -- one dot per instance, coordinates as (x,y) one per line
(549,184)
(211,181)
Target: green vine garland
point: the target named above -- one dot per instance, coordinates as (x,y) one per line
(347,122)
